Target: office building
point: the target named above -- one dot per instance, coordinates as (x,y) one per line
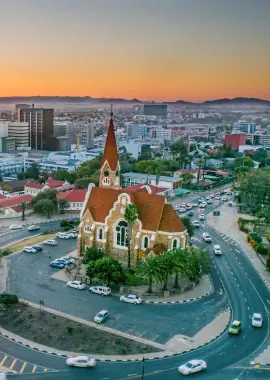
(60,128)
(40,122)
(265,141)
(136,131)
(3,128)
(235,140)
(10,166)
(7,144)
(85,133)
(244,126)
(20,132)
(159,110)
(166,182)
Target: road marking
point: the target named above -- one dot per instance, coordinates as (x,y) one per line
(34,369)
(13,363)
(3,361)
(23,367)
(133,374)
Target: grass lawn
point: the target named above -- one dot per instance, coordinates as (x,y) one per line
(61,333)
(30,241)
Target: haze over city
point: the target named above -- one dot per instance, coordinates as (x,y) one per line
(152,50)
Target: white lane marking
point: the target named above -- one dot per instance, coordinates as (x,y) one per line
(133,374)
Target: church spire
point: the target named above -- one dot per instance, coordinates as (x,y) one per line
(110,168)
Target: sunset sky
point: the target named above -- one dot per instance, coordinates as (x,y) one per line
(147,49)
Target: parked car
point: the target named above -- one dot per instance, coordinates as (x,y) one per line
(207,237)
(73,234)
(202,217)
(191,213)
(131,298)
(103,290)
(181,209)
(63,235)
(196,224)
(67,259)
(210,201)
(15,227)
(57,265)
(102,316)
(203,205)
(76,284)
(33,227)
(257,320)
(50,242)
(29,250)
(81,361)
(235,328)
(217,250)
(192,366)
(37,248)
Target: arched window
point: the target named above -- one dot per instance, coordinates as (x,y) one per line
(121,234)
(106,181)
(145,242)
(87,229)
(100,234)
(175,243)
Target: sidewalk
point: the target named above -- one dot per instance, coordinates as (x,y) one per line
(3,274)
(226,225)
(35,219)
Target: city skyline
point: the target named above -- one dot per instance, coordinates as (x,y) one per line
(150,50)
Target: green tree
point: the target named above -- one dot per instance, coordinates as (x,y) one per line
(91,270)
(187,178)
(130,216)
(49,194)
(109,271)
(83,183)
(150,270)
(168,264)
(179,151)
(181,267)
(145,156)
(62,205)
(23,208)
(243,162)
(198,263)
(147,165)
(188,225)
(45,207)
(92,254)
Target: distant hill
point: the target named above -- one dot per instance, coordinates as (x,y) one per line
(237,101)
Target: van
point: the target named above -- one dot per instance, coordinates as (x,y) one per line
(103,290)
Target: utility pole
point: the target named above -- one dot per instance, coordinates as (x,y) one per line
(143,368)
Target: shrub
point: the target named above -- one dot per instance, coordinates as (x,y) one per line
(268,236)
(260,248)
(257,238)
(70,330)
(8,299)
(5,252)
(65,223)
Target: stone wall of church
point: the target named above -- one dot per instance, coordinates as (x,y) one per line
(111,179)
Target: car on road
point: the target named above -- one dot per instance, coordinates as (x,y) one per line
(57,264)
(76,285)
(191,213)
(196,224)
(203,205)
(67,259)
(256,320)
(50,242)
(81,361)
(63,235)
(131,298)
(181,209)
(15,227)
(103,290)
(217,250)
(192,366)
(195,204)
(29,250)
(210,201)
(202,217)
(217,197)
(235,328)
(207,238)
(38,248)
(102,316)
(33,227)
(73,234)
(201,200)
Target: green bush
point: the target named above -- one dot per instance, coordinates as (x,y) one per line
(255,237)
(8,299)
(260,248)
(5,252)
(133,280)
(65,223)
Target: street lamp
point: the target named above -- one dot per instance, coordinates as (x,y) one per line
(142,368)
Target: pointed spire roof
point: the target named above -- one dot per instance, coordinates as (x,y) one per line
(110,151)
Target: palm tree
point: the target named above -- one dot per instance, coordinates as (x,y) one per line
(130,217)
(23,208)
(181,266)
(150,270)
(188,225)
(62,205)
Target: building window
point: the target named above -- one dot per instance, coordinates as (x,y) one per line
(100,234)
(106,173)
(87,229)
(175,243)
(121,234)
(106,181)
(145,244)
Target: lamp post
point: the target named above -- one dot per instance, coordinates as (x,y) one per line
(142,368)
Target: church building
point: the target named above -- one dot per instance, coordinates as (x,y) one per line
(102,216)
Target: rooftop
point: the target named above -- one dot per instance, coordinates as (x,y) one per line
(151,177)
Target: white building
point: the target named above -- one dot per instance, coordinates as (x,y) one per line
(166,182)
(20,131)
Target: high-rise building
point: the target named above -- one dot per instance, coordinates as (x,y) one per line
(244,126)
(137,131)
(20,131)
(85,132)
(7,144)
(235,140)
(40,121)
(159,110)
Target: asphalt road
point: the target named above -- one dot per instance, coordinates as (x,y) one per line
(227,357)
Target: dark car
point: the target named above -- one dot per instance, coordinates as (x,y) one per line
(57,265)
(191,213)
(37,248)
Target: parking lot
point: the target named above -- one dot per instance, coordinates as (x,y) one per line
(29,278)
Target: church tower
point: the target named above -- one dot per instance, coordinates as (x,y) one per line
(110,167)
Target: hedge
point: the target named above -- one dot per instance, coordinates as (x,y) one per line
(8,299)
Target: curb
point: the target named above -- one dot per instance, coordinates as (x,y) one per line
(179,302)
(166,355)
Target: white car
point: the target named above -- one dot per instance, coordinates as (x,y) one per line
(29,250)
(103,290)
(209,201)
(207,237)
(201,200)
(81,361)
(50,242)
(217,250)
(202,217)
(203,205)
(192,366)
(196,224)
(76,284)
(131,298)
(15,227)
(101,316)
(195,204)
(181,209)
(63,235)
(34,227)
(257,320)
(217,197)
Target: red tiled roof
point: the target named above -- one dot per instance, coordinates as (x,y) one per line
(33,185)
(19,208)
(110,151)
(14,201)
(150,209)
(53,183)
(158,249)
(73,195)
(2,196)
(153,189)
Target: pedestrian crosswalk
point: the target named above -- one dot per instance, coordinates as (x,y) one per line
(19,366)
